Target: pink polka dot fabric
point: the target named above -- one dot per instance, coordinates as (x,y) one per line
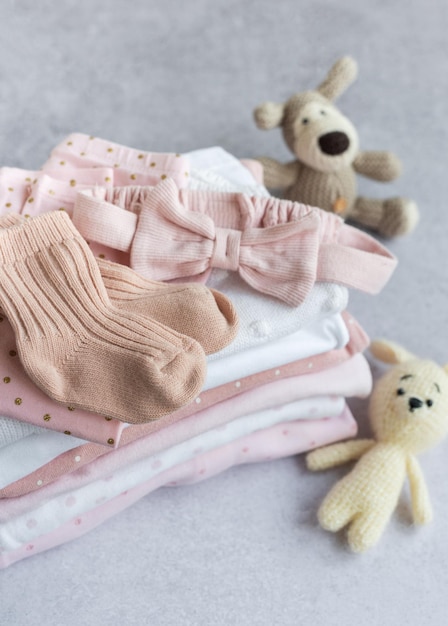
(264,445)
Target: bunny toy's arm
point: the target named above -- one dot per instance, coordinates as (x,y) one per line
(379,165)
(337,454)
(278,175)
(421,504)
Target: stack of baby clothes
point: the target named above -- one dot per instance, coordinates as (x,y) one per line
(76,450)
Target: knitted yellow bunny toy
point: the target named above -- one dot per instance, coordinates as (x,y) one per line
(325,145)
(408,413)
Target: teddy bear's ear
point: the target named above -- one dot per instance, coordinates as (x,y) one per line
(341,76)
(390,352)
(269,115)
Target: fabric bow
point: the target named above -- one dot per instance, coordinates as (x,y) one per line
(171,242)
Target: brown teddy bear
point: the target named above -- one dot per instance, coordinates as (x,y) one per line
(326,146)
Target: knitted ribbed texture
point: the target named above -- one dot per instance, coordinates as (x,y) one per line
(409,413)
(325,145)
(205,315)
(278,247)
(74,344)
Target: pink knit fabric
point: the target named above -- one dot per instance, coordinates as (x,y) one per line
(272,443)
(279,247)
(351,378)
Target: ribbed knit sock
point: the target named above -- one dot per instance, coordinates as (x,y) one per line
(206,315)
(74,343)
(203,314)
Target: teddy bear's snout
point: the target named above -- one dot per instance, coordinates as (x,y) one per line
(415,403)
(334,143)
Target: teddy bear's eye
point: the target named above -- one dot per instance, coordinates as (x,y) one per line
(400,391)
(305,120)
(429,402)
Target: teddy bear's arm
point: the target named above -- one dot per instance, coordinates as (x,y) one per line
(278,175)
(337,454)
(379,165)
(421,504)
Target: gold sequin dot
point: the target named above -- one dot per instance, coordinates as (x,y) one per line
(67,432)
(177,154)
(30,200)
(28,179)
(69,143)
(163,176)
(110,149)
(61,208)
(47,417)
(10,188)
(152,164)
(187,174)
(91,137)
(71,408)
(18,401)
(26,215)
(34,181)
(12,353)
(111,441)
(61,162)
(7,379)
(72,182)
(133,176)
(101,256)
(140,156)
(107,179)
(8,204)
(82,154)
(116,165)
(51,192)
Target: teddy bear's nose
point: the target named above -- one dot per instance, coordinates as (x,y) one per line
(334,143)
(415,403)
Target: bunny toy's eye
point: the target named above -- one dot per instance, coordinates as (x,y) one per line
(400,392)
(305,120)
(429,402)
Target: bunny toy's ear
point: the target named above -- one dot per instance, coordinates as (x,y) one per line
(269,115)
(341,76)
(389,352)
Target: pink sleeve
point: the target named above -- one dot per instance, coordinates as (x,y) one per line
(255,168)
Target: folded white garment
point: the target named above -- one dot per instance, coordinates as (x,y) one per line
(329,333)
(49,515)
(25,455)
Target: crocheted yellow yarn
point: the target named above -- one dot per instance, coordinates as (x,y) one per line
(409,413)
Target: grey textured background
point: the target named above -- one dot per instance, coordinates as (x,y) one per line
(243,548)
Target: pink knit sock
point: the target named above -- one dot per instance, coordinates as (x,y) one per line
(203,314)
(74,344)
